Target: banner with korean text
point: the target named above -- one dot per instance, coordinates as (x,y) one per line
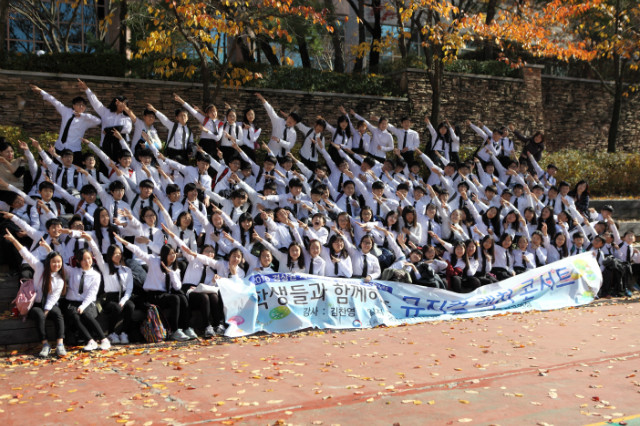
(278,302)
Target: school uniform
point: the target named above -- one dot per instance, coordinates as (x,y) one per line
(110,121)
(286,136)
(82,292)
(309,148)
(250,140)
(179,140)
(211,133)
(138,142)
(409,139)
(381,142)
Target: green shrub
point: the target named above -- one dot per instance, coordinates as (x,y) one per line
(110,64)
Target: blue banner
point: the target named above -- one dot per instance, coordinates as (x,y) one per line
(278,303)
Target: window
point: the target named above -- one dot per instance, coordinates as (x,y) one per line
(25,37)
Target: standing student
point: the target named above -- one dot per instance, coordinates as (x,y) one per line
(142,128)
(75,122)
(251,133)
(341,136)
(232,132)
(209,123)
(382,141)
(444,141)
(283,132)
(408,139)
(313,139)
(50,284)
(180,139)
(117,116)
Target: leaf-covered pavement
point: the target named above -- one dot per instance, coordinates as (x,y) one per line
(571,366)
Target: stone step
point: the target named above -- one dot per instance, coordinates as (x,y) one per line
(630,225)
(622,209)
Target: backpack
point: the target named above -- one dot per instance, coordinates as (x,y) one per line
(25,298)
(152,328)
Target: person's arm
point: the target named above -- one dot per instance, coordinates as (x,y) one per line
(371,127)
(137,251)
(99,153)
(27,199)
(480,132)
(93,100)
(536,166)
(31,232)
(200,117)
(64,194)
(282,257)
(59,106)
(163,119)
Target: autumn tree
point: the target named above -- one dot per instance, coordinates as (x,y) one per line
(210,31)
(596,31)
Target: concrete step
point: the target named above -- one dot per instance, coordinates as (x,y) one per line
(630,225)
(622,209)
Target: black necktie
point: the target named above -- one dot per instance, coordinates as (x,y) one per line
(538,262)
(81,288)
(515,203)
(184,138)
(629,253)
(365,267)
(120,283)
(378,207)
(295,207)
(340,181)
(63,182)
(335,269)
(115,209)
(313,147)
(291,234)
(150,240)
(167,281)
(404,141)
(182,235)
(171,210)
(429,233)
(311,267)
(65,132)
(506,255)
(284,137)
(349,211)
(203,277)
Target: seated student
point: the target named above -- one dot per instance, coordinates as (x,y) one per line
(180,139)
(79,306)
(65,175)
(191,197)
(337,260)
(504,260)
(163,288)
(117,116)
(75,122)
(145,134)
(46,208)
(283,132)
(18,203)
(171,200)
(408,140)
(292,260)
(120,168)
(630,256)
(197,174)
(50,282)
(74,241)
(113,200)
(312,137)
(523,260)
(364,263)
(117,299)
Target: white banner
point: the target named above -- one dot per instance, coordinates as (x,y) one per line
(278,303)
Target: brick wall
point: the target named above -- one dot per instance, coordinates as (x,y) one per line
(572,112)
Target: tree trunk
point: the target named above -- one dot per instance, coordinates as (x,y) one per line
(4,12)
(488,44)
(336,39)
(374,53)
(617,107)
(362,37)
(206,82)
(402,45)
(435,80)
(268,52)
(303,48)
(122,45)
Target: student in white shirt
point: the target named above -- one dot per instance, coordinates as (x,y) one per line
(283,132)
(312,140)
(337,260)
(117,116)
(408,139)
(251,133)
(117,299)
(444,141)
(209,123)
(75,122)
(145,133)
(232,132)
(503,261)
(364,263)
(80,308)
(163,288)
(382,141)
(49,281)
(180,139)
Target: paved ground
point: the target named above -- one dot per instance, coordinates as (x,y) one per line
(572,366)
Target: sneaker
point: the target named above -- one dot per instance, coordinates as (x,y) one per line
(179,336)
(190,333)
(105,344)
(124,339)
(90,346)
(221,329)
(209,332)
(61,351)
(628,293)
(44,353)
(113,337)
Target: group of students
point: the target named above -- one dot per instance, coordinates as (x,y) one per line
(138,220)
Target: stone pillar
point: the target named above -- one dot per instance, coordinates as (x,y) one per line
(532,75)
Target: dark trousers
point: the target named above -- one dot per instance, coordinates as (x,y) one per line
(311,165)
(85,320)
(251,153)
(464,284)
(485,278)
(210,146)
(210,307)
(501,273)
(37,315)
(408,157)
(115,312)
(227,153)
(174,306)
(179,155)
